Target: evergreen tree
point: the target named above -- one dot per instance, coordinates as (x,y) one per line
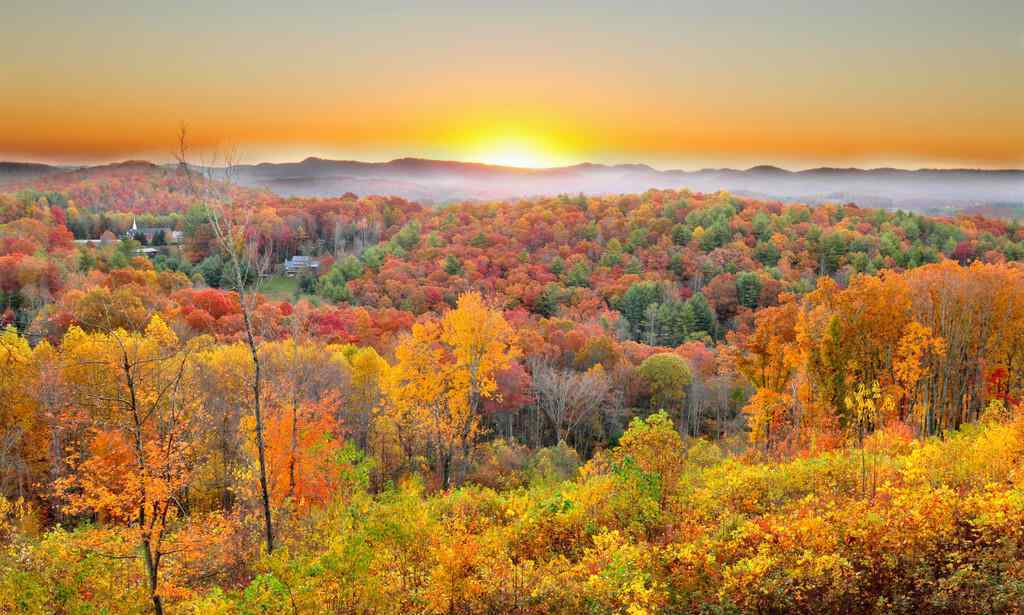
(579,275)
(748,289)
(634,303)
(681,234)
(677,322)
(704,319)
(452,265)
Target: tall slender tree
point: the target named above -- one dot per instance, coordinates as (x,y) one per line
(247,255)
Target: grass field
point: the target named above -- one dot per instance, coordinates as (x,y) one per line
(282,288)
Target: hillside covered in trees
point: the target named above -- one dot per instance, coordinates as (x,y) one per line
(662,402)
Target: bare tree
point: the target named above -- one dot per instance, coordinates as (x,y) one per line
(247,255)
(567,396)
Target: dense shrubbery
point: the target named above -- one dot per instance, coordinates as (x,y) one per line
(655,525)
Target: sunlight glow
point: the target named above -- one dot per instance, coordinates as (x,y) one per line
(514,150)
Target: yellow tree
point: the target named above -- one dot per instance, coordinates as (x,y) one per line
(863,404)
(21,437)
(847,336)
(912,362)
(443,372)
(222,379)
(769,415)
(367,371)
(139,459)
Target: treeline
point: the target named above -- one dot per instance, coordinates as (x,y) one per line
(932,348)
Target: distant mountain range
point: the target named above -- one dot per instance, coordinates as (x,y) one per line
(17,171)
(442,181)
(439,181)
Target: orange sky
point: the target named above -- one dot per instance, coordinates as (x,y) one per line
(680,84)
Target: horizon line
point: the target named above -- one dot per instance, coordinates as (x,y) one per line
(315,158)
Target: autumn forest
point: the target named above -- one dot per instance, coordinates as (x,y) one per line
(217,400)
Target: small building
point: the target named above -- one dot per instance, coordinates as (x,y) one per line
(149,233)
(301,264)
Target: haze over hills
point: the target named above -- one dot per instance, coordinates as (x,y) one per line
(440,181)
(15,171)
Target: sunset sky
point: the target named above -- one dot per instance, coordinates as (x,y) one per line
(673,84)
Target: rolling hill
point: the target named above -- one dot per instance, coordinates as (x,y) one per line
(441,181)
(937,191)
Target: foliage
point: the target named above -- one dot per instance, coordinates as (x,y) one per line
(477,427)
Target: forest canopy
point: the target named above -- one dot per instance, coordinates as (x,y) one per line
(218,400)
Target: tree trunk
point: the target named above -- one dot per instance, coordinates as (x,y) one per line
(258,411)
(151,571)
(151,561)
(294,449)
(446,470)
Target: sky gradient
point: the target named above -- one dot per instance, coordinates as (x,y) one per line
(674,84)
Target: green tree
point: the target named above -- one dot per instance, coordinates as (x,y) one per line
(212,270)
(748,289)
(579,275)
(766,253)
(635,301)
(677,322)
(612,253)
(409,236)
(681,234)
(549,299)
(452,265)
(833,249)
(637,239)
(350,267)
(373,257)
(704,319)
(666,376)
(715,236)
(762,225)
(479,240)
(334,285)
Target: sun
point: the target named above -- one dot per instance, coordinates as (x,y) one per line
(514,150)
